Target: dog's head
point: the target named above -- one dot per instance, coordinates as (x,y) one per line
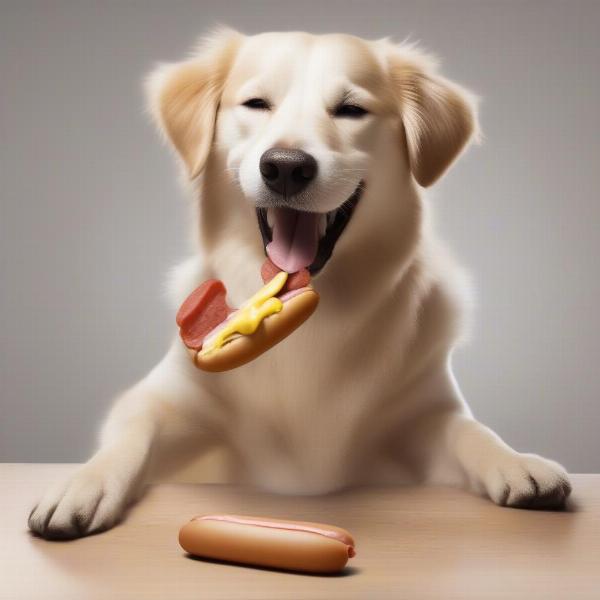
(304,123)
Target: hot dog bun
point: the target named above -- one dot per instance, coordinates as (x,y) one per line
(277,543)
(271,331)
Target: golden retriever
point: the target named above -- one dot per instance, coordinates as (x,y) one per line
(363,392)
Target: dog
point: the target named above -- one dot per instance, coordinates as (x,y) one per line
(363,393)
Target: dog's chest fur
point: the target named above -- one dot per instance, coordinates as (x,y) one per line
(305,416)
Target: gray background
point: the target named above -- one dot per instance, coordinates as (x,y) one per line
(92,218)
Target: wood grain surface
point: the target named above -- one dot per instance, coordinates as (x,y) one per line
(412,542)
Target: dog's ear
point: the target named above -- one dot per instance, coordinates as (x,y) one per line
(439,117)
(184,97)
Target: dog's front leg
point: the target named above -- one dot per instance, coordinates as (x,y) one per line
(508,477)
(492,467)
(156,419)
(457,449)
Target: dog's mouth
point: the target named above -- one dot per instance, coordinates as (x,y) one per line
(295,239)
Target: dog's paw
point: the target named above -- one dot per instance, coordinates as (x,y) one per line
(90,501)
(528,481)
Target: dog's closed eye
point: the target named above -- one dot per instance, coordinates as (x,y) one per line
(349,107)
(352,111)
(257,104)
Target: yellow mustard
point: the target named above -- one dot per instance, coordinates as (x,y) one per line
(250,315)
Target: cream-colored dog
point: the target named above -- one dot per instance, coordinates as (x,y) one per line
(363,392)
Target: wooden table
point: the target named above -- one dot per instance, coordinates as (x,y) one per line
(412,543)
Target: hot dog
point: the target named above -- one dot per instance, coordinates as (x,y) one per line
(220,338)
(277,543)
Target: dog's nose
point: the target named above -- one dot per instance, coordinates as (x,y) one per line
(287,171)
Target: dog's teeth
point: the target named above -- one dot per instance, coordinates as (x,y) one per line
(270,217)
(331,217)
(322,225)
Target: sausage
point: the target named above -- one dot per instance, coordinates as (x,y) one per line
(295,281)
(267,542)
(202,311)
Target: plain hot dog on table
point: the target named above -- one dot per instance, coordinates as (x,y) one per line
(266,542)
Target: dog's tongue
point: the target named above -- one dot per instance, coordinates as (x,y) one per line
(295,239)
